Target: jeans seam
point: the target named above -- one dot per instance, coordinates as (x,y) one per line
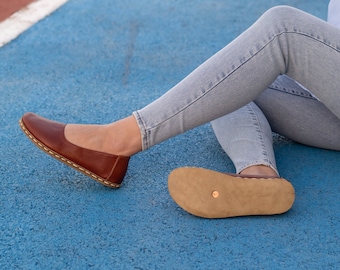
(259,135)
(286,90)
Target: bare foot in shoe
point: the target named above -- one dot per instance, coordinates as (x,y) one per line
(118,138)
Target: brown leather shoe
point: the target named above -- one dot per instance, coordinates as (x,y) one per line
(211,194)
(48,135)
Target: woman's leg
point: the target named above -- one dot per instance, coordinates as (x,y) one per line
(283,41)
(294,113)
(246,137)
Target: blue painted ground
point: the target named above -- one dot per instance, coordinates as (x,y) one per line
(97,61)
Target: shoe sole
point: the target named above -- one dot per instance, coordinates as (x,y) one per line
(209,194)
(65,160)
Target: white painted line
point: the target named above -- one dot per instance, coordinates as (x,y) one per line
(20,21)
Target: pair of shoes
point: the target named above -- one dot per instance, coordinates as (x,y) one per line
(209,194)
(48,135)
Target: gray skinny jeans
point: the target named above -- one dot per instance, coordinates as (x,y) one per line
(283,41)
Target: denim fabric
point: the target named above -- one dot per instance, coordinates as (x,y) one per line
(245,135)
(283,41)
(286,108)
(295,113)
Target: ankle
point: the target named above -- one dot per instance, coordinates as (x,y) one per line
(260,170)
(126,137)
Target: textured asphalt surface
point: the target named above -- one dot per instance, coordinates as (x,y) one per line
(97,61)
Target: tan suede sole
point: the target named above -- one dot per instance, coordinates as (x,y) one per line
(211,194)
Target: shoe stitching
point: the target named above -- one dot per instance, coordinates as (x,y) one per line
(65,160)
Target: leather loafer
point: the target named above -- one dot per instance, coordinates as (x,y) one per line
(209,194)
(48,135)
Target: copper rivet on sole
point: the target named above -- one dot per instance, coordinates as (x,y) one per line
(215,194)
